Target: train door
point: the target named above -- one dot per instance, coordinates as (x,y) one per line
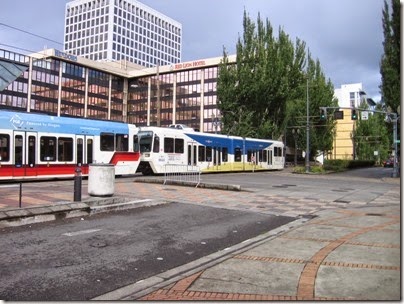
(270,155)
(217,156)
(192,157)
(89,150)
(24,153)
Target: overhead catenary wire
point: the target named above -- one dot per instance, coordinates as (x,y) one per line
(35,35)
(29,33)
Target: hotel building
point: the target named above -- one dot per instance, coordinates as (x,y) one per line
(61,84)
(115,30)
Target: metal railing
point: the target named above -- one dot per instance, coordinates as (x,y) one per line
(187,174)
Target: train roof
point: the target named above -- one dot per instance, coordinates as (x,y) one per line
(33,122)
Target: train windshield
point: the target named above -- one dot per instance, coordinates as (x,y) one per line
(145,141)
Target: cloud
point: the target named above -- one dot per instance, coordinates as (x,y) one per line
(346,36)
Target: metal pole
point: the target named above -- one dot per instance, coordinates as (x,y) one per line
(307,131)
(395,144)
(20,196)
(77,185)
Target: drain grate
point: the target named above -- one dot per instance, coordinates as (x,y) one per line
(374,214)
(283,186)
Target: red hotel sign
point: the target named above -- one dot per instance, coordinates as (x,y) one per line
(192,64)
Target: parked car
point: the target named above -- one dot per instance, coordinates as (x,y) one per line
(388,163)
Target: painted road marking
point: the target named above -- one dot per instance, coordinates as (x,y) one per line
(81,232)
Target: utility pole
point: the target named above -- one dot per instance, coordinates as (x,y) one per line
(307,130)
(394,118)
(158,106)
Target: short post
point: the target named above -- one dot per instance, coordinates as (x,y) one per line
(20,196)
(77,185)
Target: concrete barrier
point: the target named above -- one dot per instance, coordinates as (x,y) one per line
(101,180)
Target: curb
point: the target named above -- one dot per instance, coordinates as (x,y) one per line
(61,210)
(66,209)
(189,184)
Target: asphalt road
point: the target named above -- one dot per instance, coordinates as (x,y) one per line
(79,259)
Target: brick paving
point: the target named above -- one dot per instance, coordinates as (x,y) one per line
(305,289)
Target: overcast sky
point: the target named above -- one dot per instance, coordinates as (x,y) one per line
(345,35)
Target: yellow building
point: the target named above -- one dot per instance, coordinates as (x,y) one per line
(349,96)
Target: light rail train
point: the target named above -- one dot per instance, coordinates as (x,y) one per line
(184,147)
(38,146)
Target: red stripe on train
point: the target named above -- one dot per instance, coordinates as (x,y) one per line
(124,156)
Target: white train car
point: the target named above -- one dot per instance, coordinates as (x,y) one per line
(209,152)
(37,146)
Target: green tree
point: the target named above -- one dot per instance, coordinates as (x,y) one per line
(258,85)
(371,135)
(263,93)
(390,62)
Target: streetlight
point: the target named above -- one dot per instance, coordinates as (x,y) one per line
(216,121)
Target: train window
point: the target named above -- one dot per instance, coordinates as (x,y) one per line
(249,153)
(168,145)
(201,153)
(121,142)
(79,151)
(225,154)
(136,143)
(179,145)
(156,144)
(48,148)
(237,155)
(65,149)
(4,147)
(89,151)
(18,150)
(107,142)
(145,141)
(264,155)
(208,154)
(31,150)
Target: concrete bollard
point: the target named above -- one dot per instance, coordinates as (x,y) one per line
(101,180)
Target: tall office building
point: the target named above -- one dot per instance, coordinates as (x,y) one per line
(114,30)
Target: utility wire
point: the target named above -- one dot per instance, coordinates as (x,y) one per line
(18,48)
(17,29)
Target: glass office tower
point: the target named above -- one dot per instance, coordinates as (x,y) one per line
(115,30)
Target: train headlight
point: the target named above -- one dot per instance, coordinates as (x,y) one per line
(147,154)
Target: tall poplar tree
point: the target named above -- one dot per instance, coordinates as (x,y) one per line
(263,93)
(390,62)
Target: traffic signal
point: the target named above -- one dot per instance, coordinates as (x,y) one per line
(354,115)
(323,114)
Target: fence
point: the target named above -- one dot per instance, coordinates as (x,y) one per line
(182,173)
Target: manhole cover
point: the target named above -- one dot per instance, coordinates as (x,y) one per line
(98,244)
